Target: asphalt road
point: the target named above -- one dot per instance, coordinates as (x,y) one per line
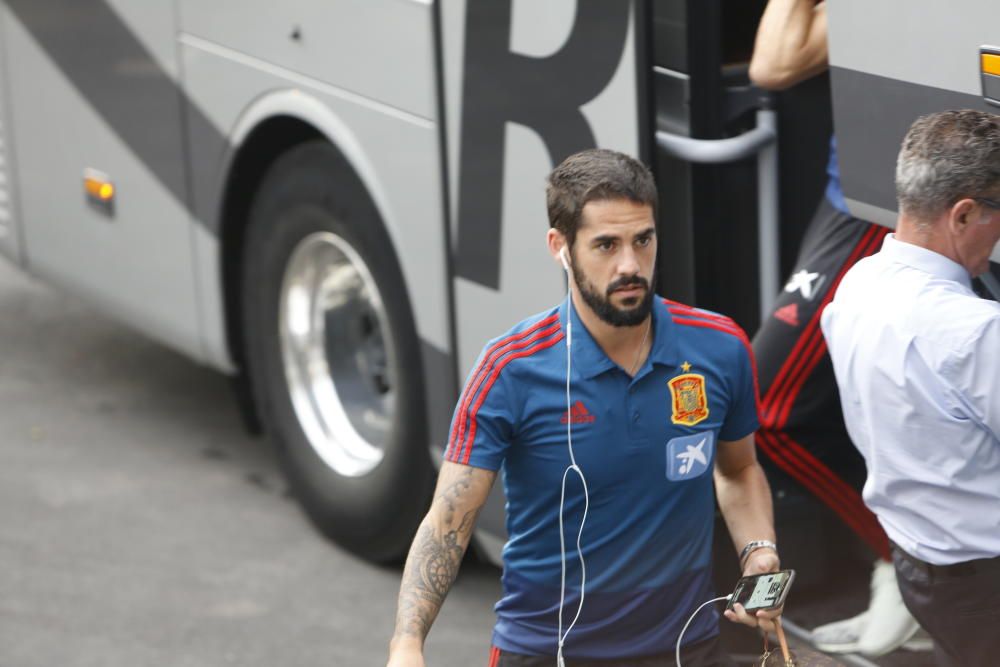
(141,525)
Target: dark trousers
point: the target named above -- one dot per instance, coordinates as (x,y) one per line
(802,432)
(706,653)
(958,605)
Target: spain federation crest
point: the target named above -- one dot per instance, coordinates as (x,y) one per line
(689,402)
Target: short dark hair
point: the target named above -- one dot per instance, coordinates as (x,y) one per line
(595,174)
(947,156)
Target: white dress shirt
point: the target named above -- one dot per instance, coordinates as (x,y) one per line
(917,359)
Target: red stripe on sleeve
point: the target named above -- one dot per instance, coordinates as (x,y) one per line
(470,417)
(733,330)
(466,447)
(677,308)
(476,379)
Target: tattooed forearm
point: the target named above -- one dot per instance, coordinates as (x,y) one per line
(452,494)
(438,547)
(430,571)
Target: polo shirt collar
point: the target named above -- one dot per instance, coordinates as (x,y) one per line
(924,260)
(590,360)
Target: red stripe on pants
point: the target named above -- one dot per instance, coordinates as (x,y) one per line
(777,393)
(792,457)
(819,480)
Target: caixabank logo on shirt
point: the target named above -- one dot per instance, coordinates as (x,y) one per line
(690,456)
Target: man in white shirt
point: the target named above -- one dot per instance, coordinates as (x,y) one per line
(917,358)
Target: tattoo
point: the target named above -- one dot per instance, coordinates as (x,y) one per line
(435,558)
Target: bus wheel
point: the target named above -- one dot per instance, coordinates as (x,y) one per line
(333,353)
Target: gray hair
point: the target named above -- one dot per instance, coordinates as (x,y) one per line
(947,156)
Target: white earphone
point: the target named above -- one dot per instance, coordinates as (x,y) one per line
(565,260)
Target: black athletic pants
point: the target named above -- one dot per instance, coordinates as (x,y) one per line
(802,427)
(958,605)
(707,653)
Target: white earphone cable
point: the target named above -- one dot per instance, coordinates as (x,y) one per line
(573,467)
(684,629)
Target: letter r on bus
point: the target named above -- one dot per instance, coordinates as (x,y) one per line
(544,94)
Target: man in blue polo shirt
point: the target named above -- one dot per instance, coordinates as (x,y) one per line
(618,404)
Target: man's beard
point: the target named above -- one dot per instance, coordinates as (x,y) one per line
(608,312)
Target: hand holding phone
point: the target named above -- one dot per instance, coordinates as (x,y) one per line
(756,601)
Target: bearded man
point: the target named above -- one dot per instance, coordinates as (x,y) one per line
(617,404)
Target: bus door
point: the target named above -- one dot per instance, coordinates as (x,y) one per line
(715,256)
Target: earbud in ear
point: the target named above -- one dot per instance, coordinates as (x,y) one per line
(565,260)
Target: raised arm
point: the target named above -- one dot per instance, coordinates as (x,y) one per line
(435,556)
(791,44)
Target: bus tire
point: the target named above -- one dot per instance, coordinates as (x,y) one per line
(333,353)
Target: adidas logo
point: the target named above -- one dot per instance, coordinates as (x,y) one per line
(788,314)
(578,415)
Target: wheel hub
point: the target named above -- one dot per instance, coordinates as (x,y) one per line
(337,354)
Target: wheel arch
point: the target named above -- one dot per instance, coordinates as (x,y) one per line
(273,124)
(309,194)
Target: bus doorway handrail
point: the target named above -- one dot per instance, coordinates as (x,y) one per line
(761,141)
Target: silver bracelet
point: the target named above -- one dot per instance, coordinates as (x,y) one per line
(753,545)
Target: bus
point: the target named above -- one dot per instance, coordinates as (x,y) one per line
(338,202)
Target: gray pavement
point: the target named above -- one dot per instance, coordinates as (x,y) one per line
(140,525)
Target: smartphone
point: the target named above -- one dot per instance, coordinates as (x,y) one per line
(762,591)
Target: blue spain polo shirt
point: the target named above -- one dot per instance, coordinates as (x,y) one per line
(646,446)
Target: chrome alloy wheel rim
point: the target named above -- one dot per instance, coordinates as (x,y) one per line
(337,354)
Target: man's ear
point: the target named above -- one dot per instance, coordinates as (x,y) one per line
(556,241)
(963,213)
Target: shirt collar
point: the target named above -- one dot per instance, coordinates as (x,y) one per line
(590,360)
(924,260)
